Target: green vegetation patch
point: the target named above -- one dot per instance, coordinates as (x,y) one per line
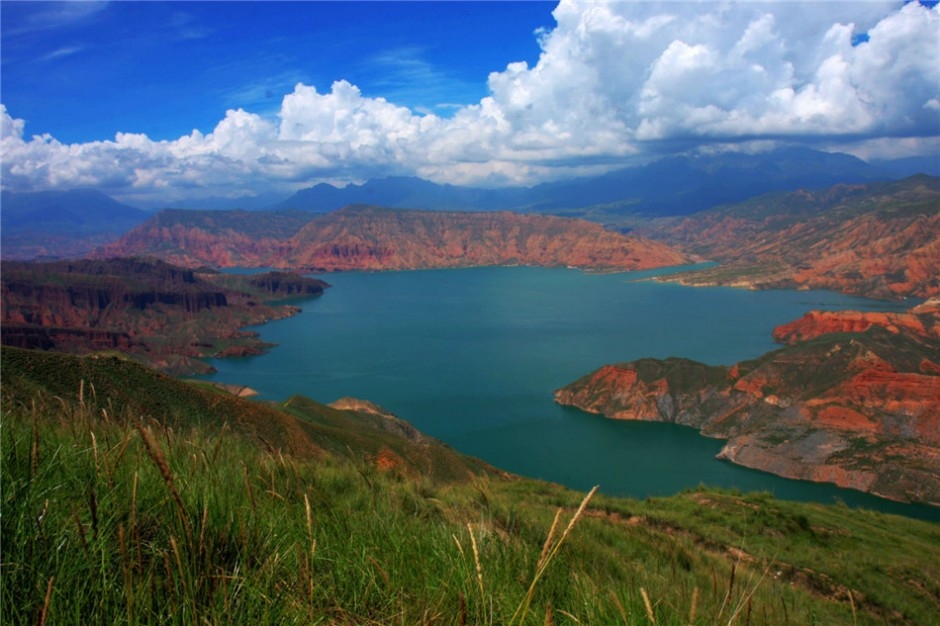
(108,518)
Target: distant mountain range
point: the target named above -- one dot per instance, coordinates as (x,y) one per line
(671,186)
(68,224)
(56,224)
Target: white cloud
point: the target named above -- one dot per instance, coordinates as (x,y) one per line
(614,79)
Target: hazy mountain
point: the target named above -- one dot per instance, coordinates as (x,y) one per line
(901,168)
(256,202)
(672,186)
(86,210)
(62,223)
(407,192)
(57,224)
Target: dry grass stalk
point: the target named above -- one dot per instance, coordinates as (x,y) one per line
(620,607)
(476,558)
(728,593)
(693,608)
(746,599)
(44,612)
(94,449)
(523,608)
(34,446)
(381,571)
(202,528)
(122,545)
(251,493)
(309,518)
(81,529)
(648,605)
(93,508)
(548,539)
(41,518)
(184,580)
(123,450)
(133,519)
(156,455)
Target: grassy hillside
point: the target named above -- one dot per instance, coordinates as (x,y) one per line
(134,498)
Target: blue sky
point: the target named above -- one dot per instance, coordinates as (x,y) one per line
(86,71)
(157,102)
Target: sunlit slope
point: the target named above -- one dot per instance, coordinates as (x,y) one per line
(878,240)
(199,513)
(116,388)
(374,238)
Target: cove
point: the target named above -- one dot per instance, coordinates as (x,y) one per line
(472,357)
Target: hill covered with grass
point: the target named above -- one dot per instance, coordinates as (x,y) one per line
(130,497)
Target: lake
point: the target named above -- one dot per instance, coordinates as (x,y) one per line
(473,356)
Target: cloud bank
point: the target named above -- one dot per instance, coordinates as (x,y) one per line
(614,81)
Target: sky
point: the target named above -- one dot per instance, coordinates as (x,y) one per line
(157,103)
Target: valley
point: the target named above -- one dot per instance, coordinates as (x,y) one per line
(875,418)
(847,405)
(470,314)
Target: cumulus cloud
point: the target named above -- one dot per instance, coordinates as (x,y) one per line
(613,80)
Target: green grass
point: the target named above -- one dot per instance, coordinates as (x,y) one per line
(111,518)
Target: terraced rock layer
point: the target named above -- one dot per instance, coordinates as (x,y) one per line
(371,238)
(164,314)
(879,240)
(855,403)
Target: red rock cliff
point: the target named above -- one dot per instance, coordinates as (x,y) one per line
(378,239)
(858,406)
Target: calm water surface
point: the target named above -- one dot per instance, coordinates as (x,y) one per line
(472,357)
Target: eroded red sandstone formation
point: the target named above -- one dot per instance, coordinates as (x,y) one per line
(880,240)
(371,238)
(160,312)
(858,406)
(920,321)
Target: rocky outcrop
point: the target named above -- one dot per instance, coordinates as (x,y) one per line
(879,240)
(371,238)
(920,321)
(858,408)
(215,238)
(379,418)
(164,314)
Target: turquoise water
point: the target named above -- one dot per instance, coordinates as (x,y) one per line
(472,357)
